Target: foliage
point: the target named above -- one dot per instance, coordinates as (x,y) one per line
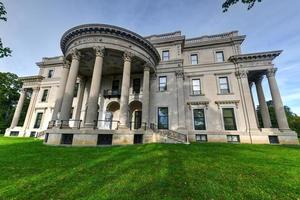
(31,170)
(4,51)
(9,96)
(293,119)
(229,3)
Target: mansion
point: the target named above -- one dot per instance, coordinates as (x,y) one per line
(112,86)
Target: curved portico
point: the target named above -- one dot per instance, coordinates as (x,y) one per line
(97,50)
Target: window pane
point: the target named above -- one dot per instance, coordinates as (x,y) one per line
(165,55)
(45,94)
(162,83)
(38,120)
(229,119)
(163,119)
(220,56)
(194,59)
(199,119)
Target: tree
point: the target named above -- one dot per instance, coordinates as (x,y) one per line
(229,3)
(293,119)
(4,51)
(9,96)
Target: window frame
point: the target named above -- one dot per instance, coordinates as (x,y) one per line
(192,88)
(204,119)
(201,140)
(234,119)
(227,84)
(159,84)
(232,141)
(37,124)
(158,117)
(197,59)
(138,91)
(45,98)
(163,57)
(216,56)
(50,73)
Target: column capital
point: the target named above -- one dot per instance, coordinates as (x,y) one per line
(271,72)
(127,56)
(75,54)
(258,79)
(67,64)
(99,51)
(147,66)
(241,74)
(179,74)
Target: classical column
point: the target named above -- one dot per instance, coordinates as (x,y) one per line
(70,86)
(247,101)
(146,84)
(262,103)
(18,110)
(180,100)
(80,98)
(30,110)
(61,90)
(252,99)
(123,118)
(92,105)
(277,102)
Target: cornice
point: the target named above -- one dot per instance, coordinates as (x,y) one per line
(37,78)
(260,56)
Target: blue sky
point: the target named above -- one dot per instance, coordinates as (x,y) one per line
(34,28)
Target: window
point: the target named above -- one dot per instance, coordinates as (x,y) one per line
(71,113)
(196,89)
(273,139)
(162,83)
(163,118)
(14,133)
(136,85)
(165,55)
(38,120)
(194,59)
(45,95)
(115,87)
(220,56)
(138,139)
(199,119)
(50,73)
(46,137)
(233,138)
(104,139)
(32,134)
(229,119)
(224,85)
(201,138)
(66,139)
(76,89)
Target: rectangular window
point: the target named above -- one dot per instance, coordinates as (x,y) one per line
(136,85)
(50,73)
(166,55)
(224,85)
(201,138)
(199,119)
(229,119)
(115,87)
(196,87)
(66,139)
(45,95)
(46,137)
(163,118)
(194,59)
(76,89)
(233,138)
(162,83)
(71,113)
(273,139)
(38,120)
(32,134)
(14,133)
(220,56)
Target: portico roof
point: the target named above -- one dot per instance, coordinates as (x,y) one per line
(269,55)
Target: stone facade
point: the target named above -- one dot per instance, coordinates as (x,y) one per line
(113,86)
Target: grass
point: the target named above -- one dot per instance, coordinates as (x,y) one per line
(31,170)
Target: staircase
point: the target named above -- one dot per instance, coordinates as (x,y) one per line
(41,134)
(170,135)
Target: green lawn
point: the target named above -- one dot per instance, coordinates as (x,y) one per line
(31,170)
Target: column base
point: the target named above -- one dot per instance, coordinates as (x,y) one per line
(123,126)
(89,126)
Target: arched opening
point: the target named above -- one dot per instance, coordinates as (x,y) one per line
(111,116)
(135,115)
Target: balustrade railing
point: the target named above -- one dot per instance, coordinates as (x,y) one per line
(106,124)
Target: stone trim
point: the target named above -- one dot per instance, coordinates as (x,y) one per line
(271,72)
(270,55)
(191,103)
(236,102)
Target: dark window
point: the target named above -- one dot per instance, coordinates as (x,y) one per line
(50,73)
(163,118)
(38,120)
(273,139)
(136,85)
(233,138)
(71,113)
(14,133)
(165,55)
(194,59)
(224,85)
(220,56)
(196,87)
(162,83)
(66,139)
(46,137)
(115,86)
(104,139)
(199,119)
(229,119)
(138,139)
(32,134)
(45,95)
(201,138)
(76,89)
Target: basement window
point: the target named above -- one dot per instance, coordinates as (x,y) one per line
(66,139)
(46,137)
(273,139)
(201,138)
(138,139)
(233,138)
(105,139)
(32,134)
(14,133)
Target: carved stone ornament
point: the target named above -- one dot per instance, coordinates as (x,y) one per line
(271,72)
(75,54)
(67,64)
(241,74)
(127,56)
(179,74)
(147,67)
(99,51)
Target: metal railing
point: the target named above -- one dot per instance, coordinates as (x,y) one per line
(75,123)
(106,124)
(180,137)
(137,125)
(111,93)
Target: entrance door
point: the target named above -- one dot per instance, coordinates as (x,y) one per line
(137,119)
(163,118)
